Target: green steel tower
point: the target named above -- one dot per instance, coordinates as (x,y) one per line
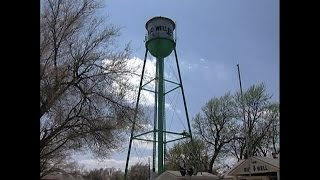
(160,43)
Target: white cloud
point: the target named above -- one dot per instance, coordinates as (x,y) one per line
(191,66)
(146,97)
(147,126)
(108,163)
(143,144)
(135,64)
(219,70)
(140,144)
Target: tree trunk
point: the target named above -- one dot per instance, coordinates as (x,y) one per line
(214,157)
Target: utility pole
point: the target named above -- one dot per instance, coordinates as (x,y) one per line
(245,122)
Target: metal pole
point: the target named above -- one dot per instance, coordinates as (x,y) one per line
(135,114)
(185,108)
(244,119)
(164,129)
(149,168)
(183,96)
(161,118)
(155,120)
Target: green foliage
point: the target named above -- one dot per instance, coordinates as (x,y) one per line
(216,126)
(229,125)
(183,151)
(256,114)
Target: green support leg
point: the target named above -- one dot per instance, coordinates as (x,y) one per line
(161,118)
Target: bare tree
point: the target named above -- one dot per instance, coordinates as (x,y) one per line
(274,132)
(139,171)
(269,145)
(182,151)
(113,174)
(104,174)
(117,175)
(82,82)
(96,174)
(215,125)
(238,146)
(260,117)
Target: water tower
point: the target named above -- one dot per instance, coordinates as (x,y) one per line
(160,42)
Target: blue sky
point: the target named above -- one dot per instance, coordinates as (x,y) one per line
(213,36)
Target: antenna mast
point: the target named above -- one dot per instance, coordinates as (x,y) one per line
(244,120)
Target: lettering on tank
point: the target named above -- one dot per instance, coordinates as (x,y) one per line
(166,29)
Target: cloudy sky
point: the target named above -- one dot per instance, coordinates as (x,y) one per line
(213,36)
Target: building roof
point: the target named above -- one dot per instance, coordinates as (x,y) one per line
(62,177)
(271,161)
(52,177)
(254,165)
(172,175)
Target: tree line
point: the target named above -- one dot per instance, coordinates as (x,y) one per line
(72,170)
(232,126)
